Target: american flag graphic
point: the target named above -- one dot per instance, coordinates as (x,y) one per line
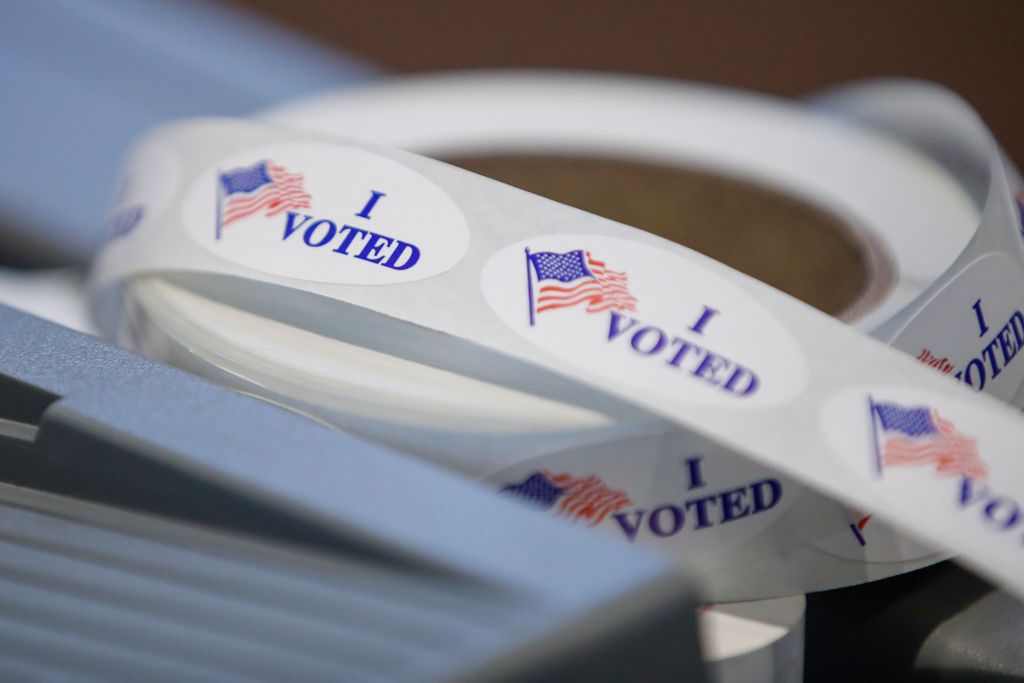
(586,498)
(264,186)
(920,436)
(578,278)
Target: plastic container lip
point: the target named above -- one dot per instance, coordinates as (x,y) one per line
(880,185)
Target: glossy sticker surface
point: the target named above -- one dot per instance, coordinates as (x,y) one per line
(646,319)
(325,213)
(973,328)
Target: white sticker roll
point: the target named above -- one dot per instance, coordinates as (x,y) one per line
(596,370)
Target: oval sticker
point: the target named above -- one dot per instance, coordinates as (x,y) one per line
(325,213)
(973,328)
(645,318)
(930,453)
(695,499)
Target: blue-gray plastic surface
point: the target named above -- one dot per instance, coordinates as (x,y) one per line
(79,81)
(99,437)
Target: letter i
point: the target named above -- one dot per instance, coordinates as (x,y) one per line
(703,320)
(981,318)
(693,469)
(372,202)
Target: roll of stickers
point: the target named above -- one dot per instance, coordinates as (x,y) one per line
(601,372)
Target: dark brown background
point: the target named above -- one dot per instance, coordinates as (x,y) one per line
(787,47)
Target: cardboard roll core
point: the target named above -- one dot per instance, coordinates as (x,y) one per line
(782,240)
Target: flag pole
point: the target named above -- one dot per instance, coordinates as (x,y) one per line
(874,435)
(529,286)
(220,198)
(855,528)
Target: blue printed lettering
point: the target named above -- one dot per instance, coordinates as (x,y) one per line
(630,527)
(670,519)
(290,226)
(999,352)
(365,245)
(700,363)
(693,469)
(656,519)
(351,234)
(615,327)
(638,341)
(1003,512)
(309,237)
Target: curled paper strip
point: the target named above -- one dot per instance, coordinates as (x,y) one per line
(701,401)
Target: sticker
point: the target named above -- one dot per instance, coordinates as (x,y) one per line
(868,539)
(325,213)
(935,456)
(645,318)
(693,502)
(973,328)
(150,177)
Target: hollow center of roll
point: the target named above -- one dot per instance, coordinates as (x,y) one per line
(782,240)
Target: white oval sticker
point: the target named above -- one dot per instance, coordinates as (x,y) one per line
(646,318)
(973,328)
(866,538)
(934,455)
(695,500)
(325,213)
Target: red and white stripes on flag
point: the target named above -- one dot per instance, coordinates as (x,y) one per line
(588,497)
(284,192)
(605,290)
(952,453)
